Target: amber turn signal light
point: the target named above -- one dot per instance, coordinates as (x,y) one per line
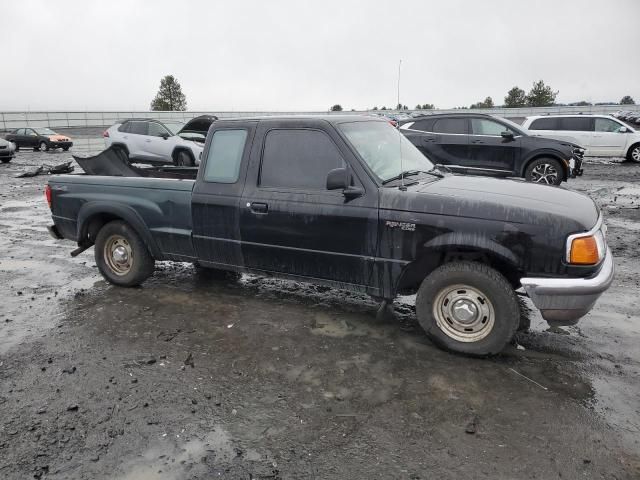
(584,251)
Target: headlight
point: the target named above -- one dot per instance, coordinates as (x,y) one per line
(587,248)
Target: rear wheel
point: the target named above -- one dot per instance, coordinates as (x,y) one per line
(184,159)
(469,308)
(122,257)
(66,149)
(44,147)
(545,170)
(633,155)
(5,160)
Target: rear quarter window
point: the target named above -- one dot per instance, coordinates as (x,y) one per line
(550,123)
(225,156)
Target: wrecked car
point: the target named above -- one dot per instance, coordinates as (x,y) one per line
(349,202)
(146,140)
(39,138)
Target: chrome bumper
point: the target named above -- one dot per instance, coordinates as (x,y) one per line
(563,301)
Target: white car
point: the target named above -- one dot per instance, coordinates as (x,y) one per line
(599,135)
(7,150)
(152,141)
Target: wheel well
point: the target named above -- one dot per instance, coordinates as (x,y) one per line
(94,224)
(177,150)
(631,148)
(565,169)
(120,146)
(417,271)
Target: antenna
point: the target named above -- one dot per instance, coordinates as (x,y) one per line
(402,187)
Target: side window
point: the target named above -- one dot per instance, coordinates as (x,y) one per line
(20,131)
(225,156)
(547,123)
(124,127)
(157,130)
(451,125)
(423,125)
(606,125)
(482,126)
(138,128)
(31,132)
(299,159)
(576,124)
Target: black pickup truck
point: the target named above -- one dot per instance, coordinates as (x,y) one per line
(349,202)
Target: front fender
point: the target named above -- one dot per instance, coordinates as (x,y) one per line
(95,208)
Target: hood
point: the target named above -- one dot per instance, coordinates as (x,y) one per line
(497,199)
(547,141)
(58,138)
(199,124)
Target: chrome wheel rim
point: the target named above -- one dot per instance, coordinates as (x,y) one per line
(635,154)
(118,255)
(43,147)
(544,173)
(464,313)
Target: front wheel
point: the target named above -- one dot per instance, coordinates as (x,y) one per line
(5,160)
(66,149)
(544,170)
(633,155)
(469,308)
(122,257)
(44,147)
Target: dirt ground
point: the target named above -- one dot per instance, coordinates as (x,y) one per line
(191,377)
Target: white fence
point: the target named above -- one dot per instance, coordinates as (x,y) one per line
(11,120)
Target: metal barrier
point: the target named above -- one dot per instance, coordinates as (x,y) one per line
(78,119)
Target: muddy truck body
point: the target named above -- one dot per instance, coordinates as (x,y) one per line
(348,202)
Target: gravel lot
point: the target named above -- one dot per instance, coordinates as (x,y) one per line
(191,377)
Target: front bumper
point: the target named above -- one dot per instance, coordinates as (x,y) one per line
(563,301)
(60,144)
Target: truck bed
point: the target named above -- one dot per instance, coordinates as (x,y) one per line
(141,200)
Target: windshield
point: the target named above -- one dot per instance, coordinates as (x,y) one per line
(44,131)
(174,127)
(380,145)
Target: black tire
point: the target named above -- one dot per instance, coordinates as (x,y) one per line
(481,289)
(547,171)
(633,155)
(5,160)
(118,234)
(17,147)
(184,159)
(66,149)
(44,147)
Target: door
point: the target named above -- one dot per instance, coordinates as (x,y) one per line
(578,130)
(158,144)
(451,142)
(607,138)
(489,150)
(135,137)
(20,138)
(31,138)
(291,224)
(216,198)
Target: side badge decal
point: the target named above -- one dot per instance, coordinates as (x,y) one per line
(408,227)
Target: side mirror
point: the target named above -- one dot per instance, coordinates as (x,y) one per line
(623,130)
(340,179)
(506,134)
(337,179)
(164,135)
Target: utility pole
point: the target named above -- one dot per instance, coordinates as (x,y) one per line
(399,65)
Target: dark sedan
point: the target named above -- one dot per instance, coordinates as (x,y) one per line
(486,145)
(39,138)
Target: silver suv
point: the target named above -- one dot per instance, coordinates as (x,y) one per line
(151,141)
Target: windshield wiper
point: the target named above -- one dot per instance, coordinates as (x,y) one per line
(410,173)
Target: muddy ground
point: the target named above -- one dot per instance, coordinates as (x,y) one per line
(190,377)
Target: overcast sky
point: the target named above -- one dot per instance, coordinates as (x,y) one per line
(303,55)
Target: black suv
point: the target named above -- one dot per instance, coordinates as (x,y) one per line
(487,145)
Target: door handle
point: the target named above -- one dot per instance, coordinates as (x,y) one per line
(477,141)
(258,207)
(429,140)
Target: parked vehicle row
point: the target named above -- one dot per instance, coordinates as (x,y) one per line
(39,138)
(152,141)
(628,116)
(487,145)
(600,135)
(350,202)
